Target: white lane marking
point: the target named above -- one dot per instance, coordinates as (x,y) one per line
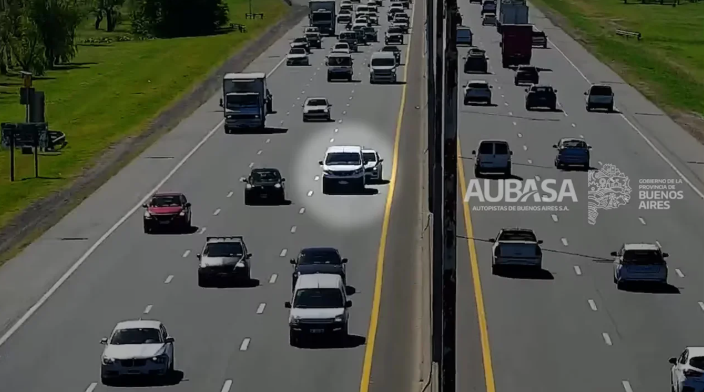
(607,339)
(592,304)
(510,113)
(245,344)
(169,279)
(514,123)
(520,134)
(601,164)
(679,273)
(302,210)
(288,113)
(230,194)
(505,103)
(216,212)
(337,129)
(186,253)
(642,135)
(226,387)
(577,270)
(627,386)
(268,141)
(148,309)
(525,148)
(352,91)
(293,106)
(261,307)
(251,165)
(283,252)
(303,92)
(202,230)
(310,193)
(554,217)
(701,305)
(581,136)
(273,278)
(91,387)
(348,104)
(350,98)
(339,121)
(298,98)
(332,140)
(574,125)
(259,152)
(344,112)
(530,161)
(537,178)
(293,229)
(564,241)
(641,220)
(316,178)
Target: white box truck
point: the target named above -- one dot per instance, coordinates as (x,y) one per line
(321,14)
(246,100)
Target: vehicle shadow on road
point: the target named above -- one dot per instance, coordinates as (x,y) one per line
(269,203)
(351,341)
(172,379)
(231,284)
(546,110)
(364,192)
(524,273)
(577,168)
(378,182)
(263,131)
(650,288)
(189,230)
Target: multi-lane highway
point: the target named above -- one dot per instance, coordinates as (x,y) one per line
(97,267)
(569,328)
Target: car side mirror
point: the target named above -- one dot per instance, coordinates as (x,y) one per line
(169,340)
(585,93)
(614,254)
(474,152)
(283,180)
(330,105)
(491,86)
(104,341)
(220,102)
(144,206)
(554,146)
(369,65)
(344,261)
(249,255)
(348,304)
(492,240)
(320,163)
(292,261)
(665,255)
(672,361)
(554,90)
(540,242)
(526,90)
(287,305)
(381,160)
(589,147)
(245,180)
(188,204)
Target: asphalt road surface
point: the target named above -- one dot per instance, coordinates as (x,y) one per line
(104,269)
(569,328)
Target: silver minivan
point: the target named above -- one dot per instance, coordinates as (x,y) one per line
(640,263)
(492,156)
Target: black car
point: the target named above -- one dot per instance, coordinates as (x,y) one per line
(264,185)
(314,40)
(394,35)
(318,261)
(395,50)
(541,97)
(526,74)
(476,64)
(361,37)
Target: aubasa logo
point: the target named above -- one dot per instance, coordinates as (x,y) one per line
(516,191)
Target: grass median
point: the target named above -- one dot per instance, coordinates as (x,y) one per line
(666,65)
(111,91)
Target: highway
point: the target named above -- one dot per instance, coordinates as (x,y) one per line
(97,267)
(569,328)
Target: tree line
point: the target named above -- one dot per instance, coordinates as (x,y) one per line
(36,35)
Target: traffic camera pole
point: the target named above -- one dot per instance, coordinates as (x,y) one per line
(449,294)
(430,93)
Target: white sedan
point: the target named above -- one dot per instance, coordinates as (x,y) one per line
(373,168)
(137,347)
(297,56)
(477,91)
(316,109)
(687,373)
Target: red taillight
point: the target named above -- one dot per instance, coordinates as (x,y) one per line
(693,373)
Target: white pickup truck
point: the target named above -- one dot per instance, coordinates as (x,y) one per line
(516,247)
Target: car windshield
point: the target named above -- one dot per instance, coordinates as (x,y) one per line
(223,249)
(340,61)
(312,35)
(265,176)
(517,235)
(530,70)
(166,201)
(486,148)
(383,62)
(601,90)
(348,35)
(574,144)
(234,101)
(342,46)
(297,51)
(478,85)
(697,362)
(321,16)
(318,299)
(136,336)
(319,257)
(642,257)
(369,157)
(317,102)
(500,149)
(343,158)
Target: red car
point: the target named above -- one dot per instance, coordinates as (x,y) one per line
(167,210)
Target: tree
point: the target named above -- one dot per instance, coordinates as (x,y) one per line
(27,47)
(108,9)
(56,22)
(178,18)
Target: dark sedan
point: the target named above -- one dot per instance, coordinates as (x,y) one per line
(264,185)
(541,97)
(318,261)
(526,74)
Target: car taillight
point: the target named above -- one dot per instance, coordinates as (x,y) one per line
(693,373)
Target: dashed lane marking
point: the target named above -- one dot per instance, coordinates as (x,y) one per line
(216,212)
(302,210)
(230,194)
(283,252)
(202,230)
(701,305)
(607,339)
(148,309)
(293,229)
(245,344)
(261,307)
(272,279)
(564,241)
(251,165)
(310,193)
(91,387)
(679,273)
(186,253)
(226,387)
(592,304)
(642,221)
(554,217)
(577,270)
(627,386)
(169,279)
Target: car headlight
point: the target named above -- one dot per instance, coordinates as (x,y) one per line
(108,361)
(359,171)
(277,185)
(147,214)
(327,172)
(338,319)
(295,320)
(326,110)
(160,358)
(249,186)
(240,265)
(256,116)
(182,213)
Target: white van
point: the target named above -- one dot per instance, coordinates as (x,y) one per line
(492,156)
(343,166)
(319,308)
(382,67)
(640,263)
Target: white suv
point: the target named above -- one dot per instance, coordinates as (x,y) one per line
(137,348)
(343,165)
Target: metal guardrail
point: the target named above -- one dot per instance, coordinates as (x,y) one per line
(629,34)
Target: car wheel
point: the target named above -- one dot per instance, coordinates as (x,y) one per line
(105,381)
(553,108)
(589,108)
(147,229)
(326,188)
(495,269)
(528,107)
(611,108)
(171,368)
(507,172)
(466,102)
(305,119)
(515,81)
(227,130)
(202,280)
(329,80)
(620,284)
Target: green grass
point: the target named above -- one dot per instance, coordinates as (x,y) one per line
(667,65)
(112,93)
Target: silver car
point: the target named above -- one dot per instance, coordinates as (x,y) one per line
(316,109)
(224,257)
(137,348)
(640,263)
